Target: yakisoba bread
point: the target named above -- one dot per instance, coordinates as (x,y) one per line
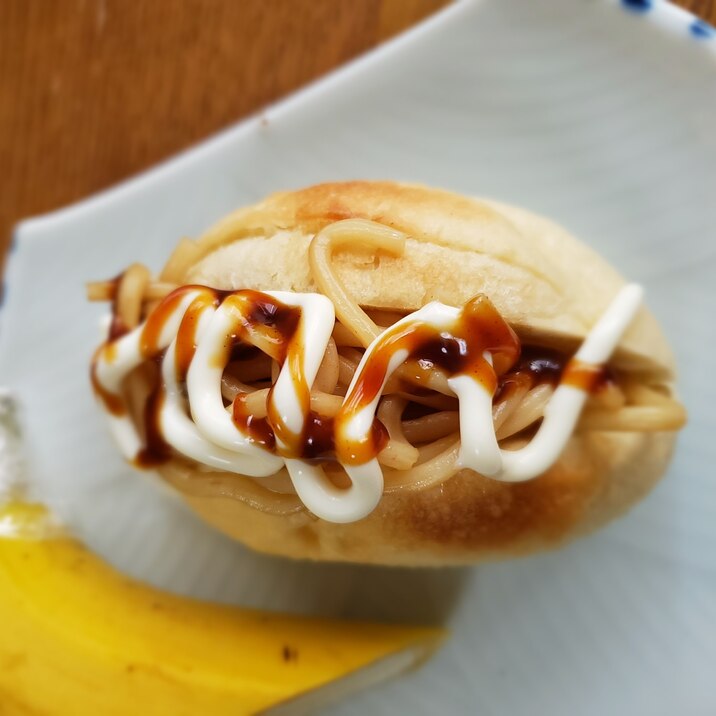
(386,373)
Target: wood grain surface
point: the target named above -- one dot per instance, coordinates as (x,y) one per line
(92,91)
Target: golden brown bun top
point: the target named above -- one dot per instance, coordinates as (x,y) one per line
(548,285)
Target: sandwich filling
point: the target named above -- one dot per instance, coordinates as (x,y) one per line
(315,398)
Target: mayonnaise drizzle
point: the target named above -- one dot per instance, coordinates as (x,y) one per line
(199,427)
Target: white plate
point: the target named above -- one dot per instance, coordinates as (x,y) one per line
(601,117)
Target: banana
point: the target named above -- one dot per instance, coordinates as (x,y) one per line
(77,638)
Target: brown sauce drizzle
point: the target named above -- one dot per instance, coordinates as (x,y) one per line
(542,365)
(358,452)
(459,351)
(318,440)
(479,329)
(242,351)
(156,450)
(280,324)
(275,326)
(585,376)
(315,444)
(157,319)
(186,335)
(538,366)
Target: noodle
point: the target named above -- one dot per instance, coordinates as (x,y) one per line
(429,451)
(642,418)
(384,318)
(530,410)
(511,397)
(346,369)
(608,396)
(231,386)
(433,471)
(262,337)
(100,290)
(436,401)
(129,295)
(105,290)
(156,290)
(325,404)
(356,232)
(255,400)
(329,370)
(355,321)
(352,355)
(425,377)
(398,453)
(251,369)
(431,427)
(344,337)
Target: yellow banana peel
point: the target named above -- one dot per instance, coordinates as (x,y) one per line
(77,638)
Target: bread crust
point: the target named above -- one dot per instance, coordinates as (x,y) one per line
(547,284)
(469,518)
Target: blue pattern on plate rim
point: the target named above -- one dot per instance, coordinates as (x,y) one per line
(701,30)
(638,5)
(671,16)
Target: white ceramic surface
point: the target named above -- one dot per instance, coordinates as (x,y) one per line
(600,116)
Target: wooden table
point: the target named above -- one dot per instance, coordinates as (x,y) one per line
(92,91)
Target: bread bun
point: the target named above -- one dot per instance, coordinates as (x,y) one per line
(546,284)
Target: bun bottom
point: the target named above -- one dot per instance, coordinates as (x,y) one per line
(469,518)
